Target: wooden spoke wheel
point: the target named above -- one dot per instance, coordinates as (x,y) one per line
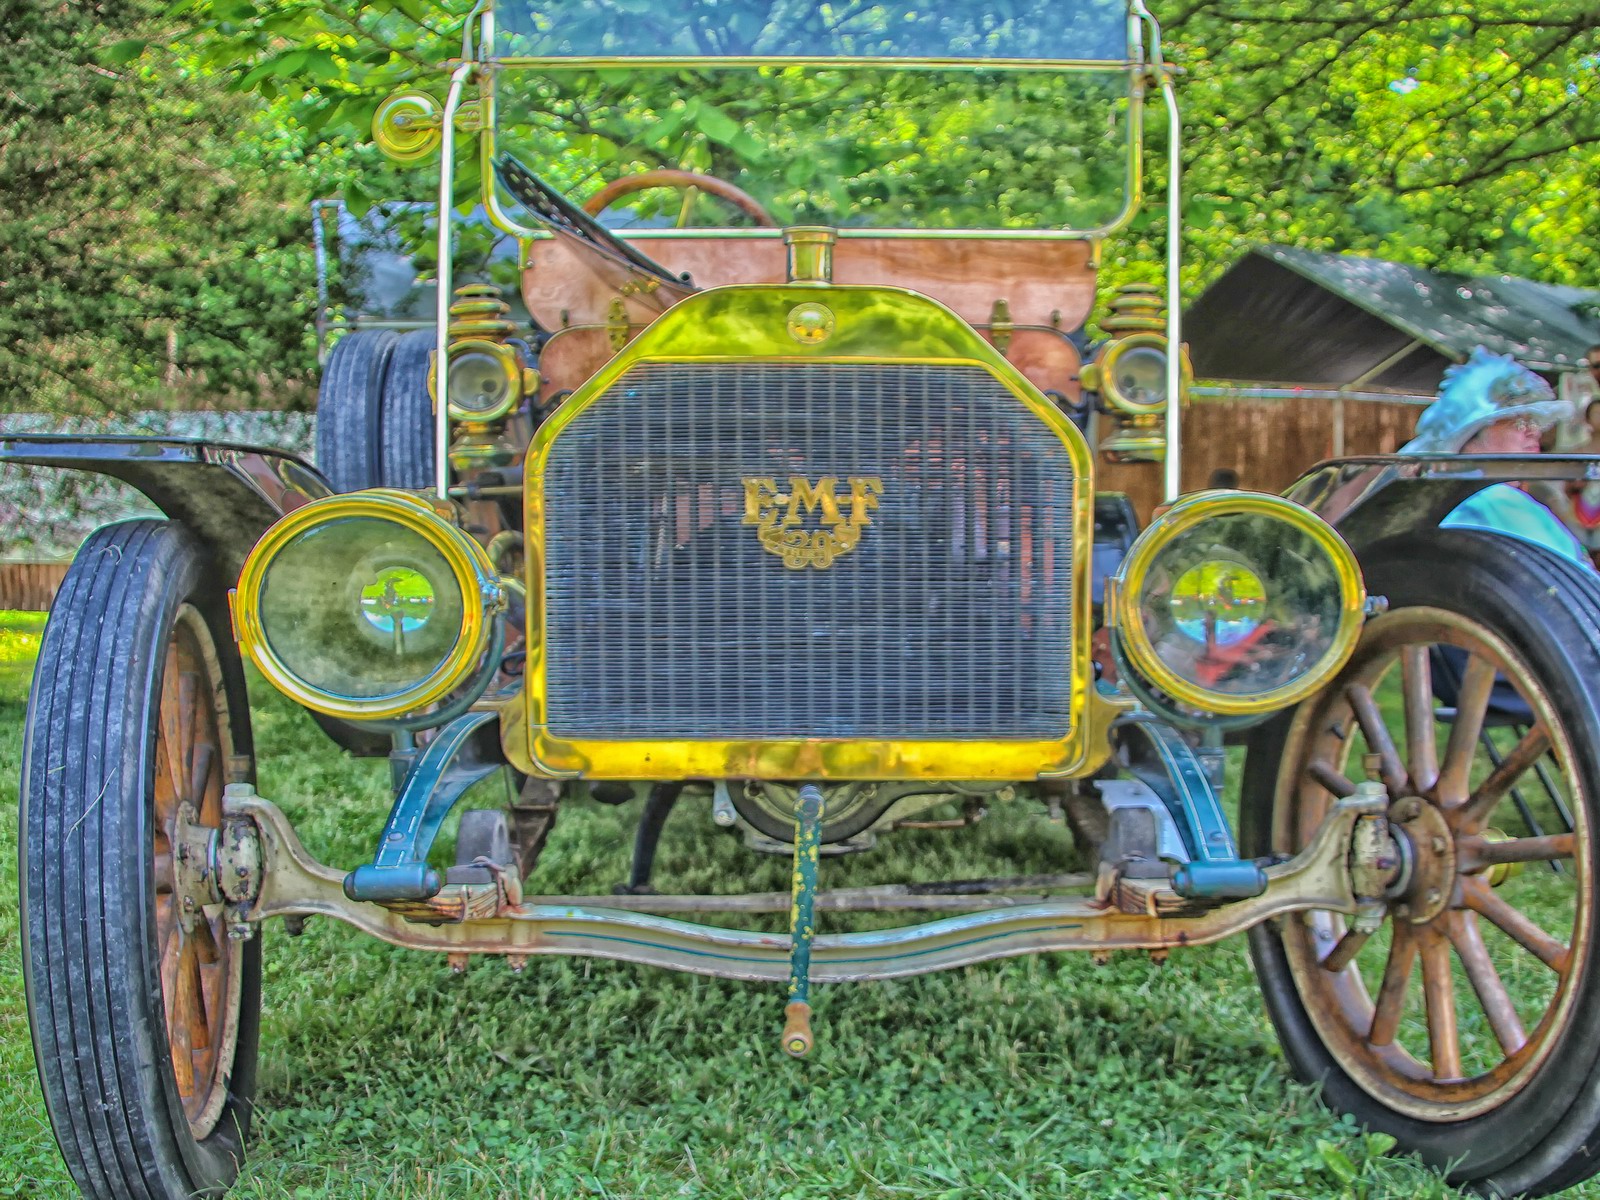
(200,967)
(143,1010)
(1450,1015)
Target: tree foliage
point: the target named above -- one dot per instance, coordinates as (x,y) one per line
(152,236)
(1459,134)
(158,160)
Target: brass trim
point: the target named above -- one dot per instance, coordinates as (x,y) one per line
(746,324)
(1105,373)
(810,253)
(1185,515)
(505,358)
(481,599)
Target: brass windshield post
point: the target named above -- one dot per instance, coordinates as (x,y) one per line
(810,253)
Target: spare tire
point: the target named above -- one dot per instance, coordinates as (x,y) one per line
(406,439)
(349,408)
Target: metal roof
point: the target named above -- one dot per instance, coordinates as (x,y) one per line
(1285,315)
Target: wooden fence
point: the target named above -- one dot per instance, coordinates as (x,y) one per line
(1270,443)
(29,587)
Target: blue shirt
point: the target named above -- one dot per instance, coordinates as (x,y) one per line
(1509,510)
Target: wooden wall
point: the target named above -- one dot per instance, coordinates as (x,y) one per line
(1270,443)
(29,587)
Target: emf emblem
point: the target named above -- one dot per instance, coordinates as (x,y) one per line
(780,517)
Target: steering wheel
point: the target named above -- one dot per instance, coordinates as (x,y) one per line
(627,185)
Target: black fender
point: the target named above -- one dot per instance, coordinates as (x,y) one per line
(226,495)
(1373,497)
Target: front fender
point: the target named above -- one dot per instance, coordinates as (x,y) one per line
(227,495)
(1378,496)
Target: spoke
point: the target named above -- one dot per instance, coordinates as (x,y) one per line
(1391,1000)
(1416,682)
(205,943)
(201,1035)
(1492,994)
(1471,707)
(1517,927)
(188,705)
(205,757)
(1391,770)
(210,802)
(1472,814)
(1474,853)
(1438,990)
(1331,778)
(162,872)
(172,734)
(1344,953)
(180,1023)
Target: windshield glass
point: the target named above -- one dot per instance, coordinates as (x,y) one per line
(1087,31)
(862,147)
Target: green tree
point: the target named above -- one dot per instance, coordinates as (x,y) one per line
(1463,136)
(153,234)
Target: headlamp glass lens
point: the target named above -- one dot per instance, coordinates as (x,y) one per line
(398,601)
(361,607)
(478,382)
(1241,604)
(1140,377)
(1218,602)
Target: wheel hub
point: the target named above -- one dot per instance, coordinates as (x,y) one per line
(1428,848)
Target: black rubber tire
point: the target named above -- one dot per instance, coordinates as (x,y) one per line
(406,443)
(91,965)
(1545,1137)
(350,406)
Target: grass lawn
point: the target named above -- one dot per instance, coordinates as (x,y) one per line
(383,1075)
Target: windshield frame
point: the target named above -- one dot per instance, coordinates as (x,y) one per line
(1135,67)
(1147,68)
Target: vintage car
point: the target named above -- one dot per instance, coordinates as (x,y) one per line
(782,508)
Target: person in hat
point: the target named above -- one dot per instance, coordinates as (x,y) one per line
(1577,501)
(1491,404)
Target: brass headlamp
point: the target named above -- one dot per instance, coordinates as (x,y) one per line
(487,377)
(1130,374)
(367,606)
(1234,604)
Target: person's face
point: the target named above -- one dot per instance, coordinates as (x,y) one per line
(1515,436)
(1594,362)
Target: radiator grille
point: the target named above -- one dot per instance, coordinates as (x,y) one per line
(665,617)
